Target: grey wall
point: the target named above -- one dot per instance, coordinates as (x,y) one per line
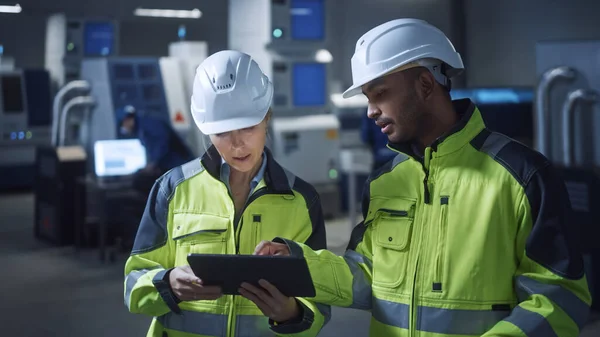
(23,35)
(501,35)
(353,18)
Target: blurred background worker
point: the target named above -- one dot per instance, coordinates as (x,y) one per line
(165,149)
(225,203)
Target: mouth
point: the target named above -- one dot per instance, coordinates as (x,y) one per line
(242,159)
(385,126)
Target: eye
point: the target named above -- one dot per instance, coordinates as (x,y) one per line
(380,92)
(249,128)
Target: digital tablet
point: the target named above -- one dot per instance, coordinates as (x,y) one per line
(289,274)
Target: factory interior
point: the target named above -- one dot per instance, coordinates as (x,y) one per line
(70,69)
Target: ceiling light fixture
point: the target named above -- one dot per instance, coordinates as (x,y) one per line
(169,13)
(16,9)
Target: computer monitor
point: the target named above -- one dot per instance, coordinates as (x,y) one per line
(307,19)
(99,38)
(309,81)
(120,157)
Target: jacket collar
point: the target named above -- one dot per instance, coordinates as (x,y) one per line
(469,126)
(275,177)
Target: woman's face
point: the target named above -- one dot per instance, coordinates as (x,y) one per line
(242,149)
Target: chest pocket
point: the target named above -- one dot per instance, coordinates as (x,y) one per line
(199,234)
(392,244)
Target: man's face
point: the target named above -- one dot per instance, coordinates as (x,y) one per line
(395,106)
(127,125)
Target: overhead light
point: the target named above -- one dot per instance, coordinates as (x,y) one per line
(169,13)
(16,9)
(323,56)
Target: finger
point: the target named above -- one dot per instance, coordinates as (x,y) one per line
(264,307)
(187,276)
(273,291)
(262,294)
(208,290)
(262,248)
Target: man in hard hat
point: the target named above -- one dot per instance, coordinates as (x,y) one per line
(466,232)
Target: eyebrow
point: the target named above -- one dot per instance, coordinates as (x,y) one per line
(376,82)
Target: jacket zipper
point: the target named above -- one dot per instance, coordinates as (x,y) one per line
(439,261)
(253,197)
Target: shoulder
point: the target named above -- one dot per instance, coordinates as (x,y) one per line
(308,192)
(388,167)
(521,161)
(169,181)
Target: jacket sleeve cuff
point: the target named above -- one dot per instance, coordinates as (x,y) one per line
(294,248)
(161,283)
(297,325)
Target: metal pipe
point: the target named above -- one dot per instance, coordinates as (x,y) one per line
(79,85)
(76,101)
(575,96)
(541,109)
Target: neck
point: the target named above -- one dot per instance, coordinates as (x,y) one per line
(437,123)
(244,178)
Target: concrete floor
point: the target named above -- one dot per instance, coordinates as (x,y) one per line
(49,291)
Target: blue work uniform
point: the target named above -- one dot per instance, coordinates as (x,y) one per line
(163,146)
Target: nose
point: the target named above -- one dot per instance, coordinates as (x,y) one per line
(373,111)
(237,140)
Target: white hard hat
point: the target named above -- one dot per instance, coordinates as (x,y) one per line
(398,43)
(230,93)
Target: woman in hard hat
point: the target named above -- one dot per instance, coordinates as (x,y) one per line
(224,203)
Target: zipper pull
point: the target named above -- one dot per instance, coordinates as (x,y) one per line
(427,196)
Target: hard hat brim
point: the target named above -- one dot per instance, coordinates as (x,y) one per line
(229,125)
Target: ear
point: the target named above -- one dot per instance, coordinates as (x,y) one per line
(425,85)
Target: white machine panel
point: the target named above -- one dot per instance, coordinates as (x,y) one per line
(308,146)
(175,93)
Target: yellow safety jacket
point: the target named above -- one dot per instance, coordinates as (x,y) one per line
(472,239)
(190,210)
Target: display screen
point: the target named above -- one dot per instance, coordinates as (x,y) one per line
(99,38)
(118,157)
(309,84)
(307,19)
(12,94)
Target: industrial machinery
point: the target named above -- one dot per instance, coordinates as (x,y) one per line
(153,86)
(567,121)
(189,55)
(60,165)
(308,146)
(24,122)
(505,110)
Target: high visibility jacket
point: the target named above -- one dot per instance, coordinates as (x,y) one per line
(474,239)
(190,210)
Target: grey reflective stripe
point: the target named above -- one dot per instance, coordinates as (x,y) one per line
(199,323)
(458,322)
(191,168)
(400,157)
(494,143)
(250,326)
(361,287)
(290,177)
(577,309)
(325,310)
(531,323)
(131,280)
(390,313)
